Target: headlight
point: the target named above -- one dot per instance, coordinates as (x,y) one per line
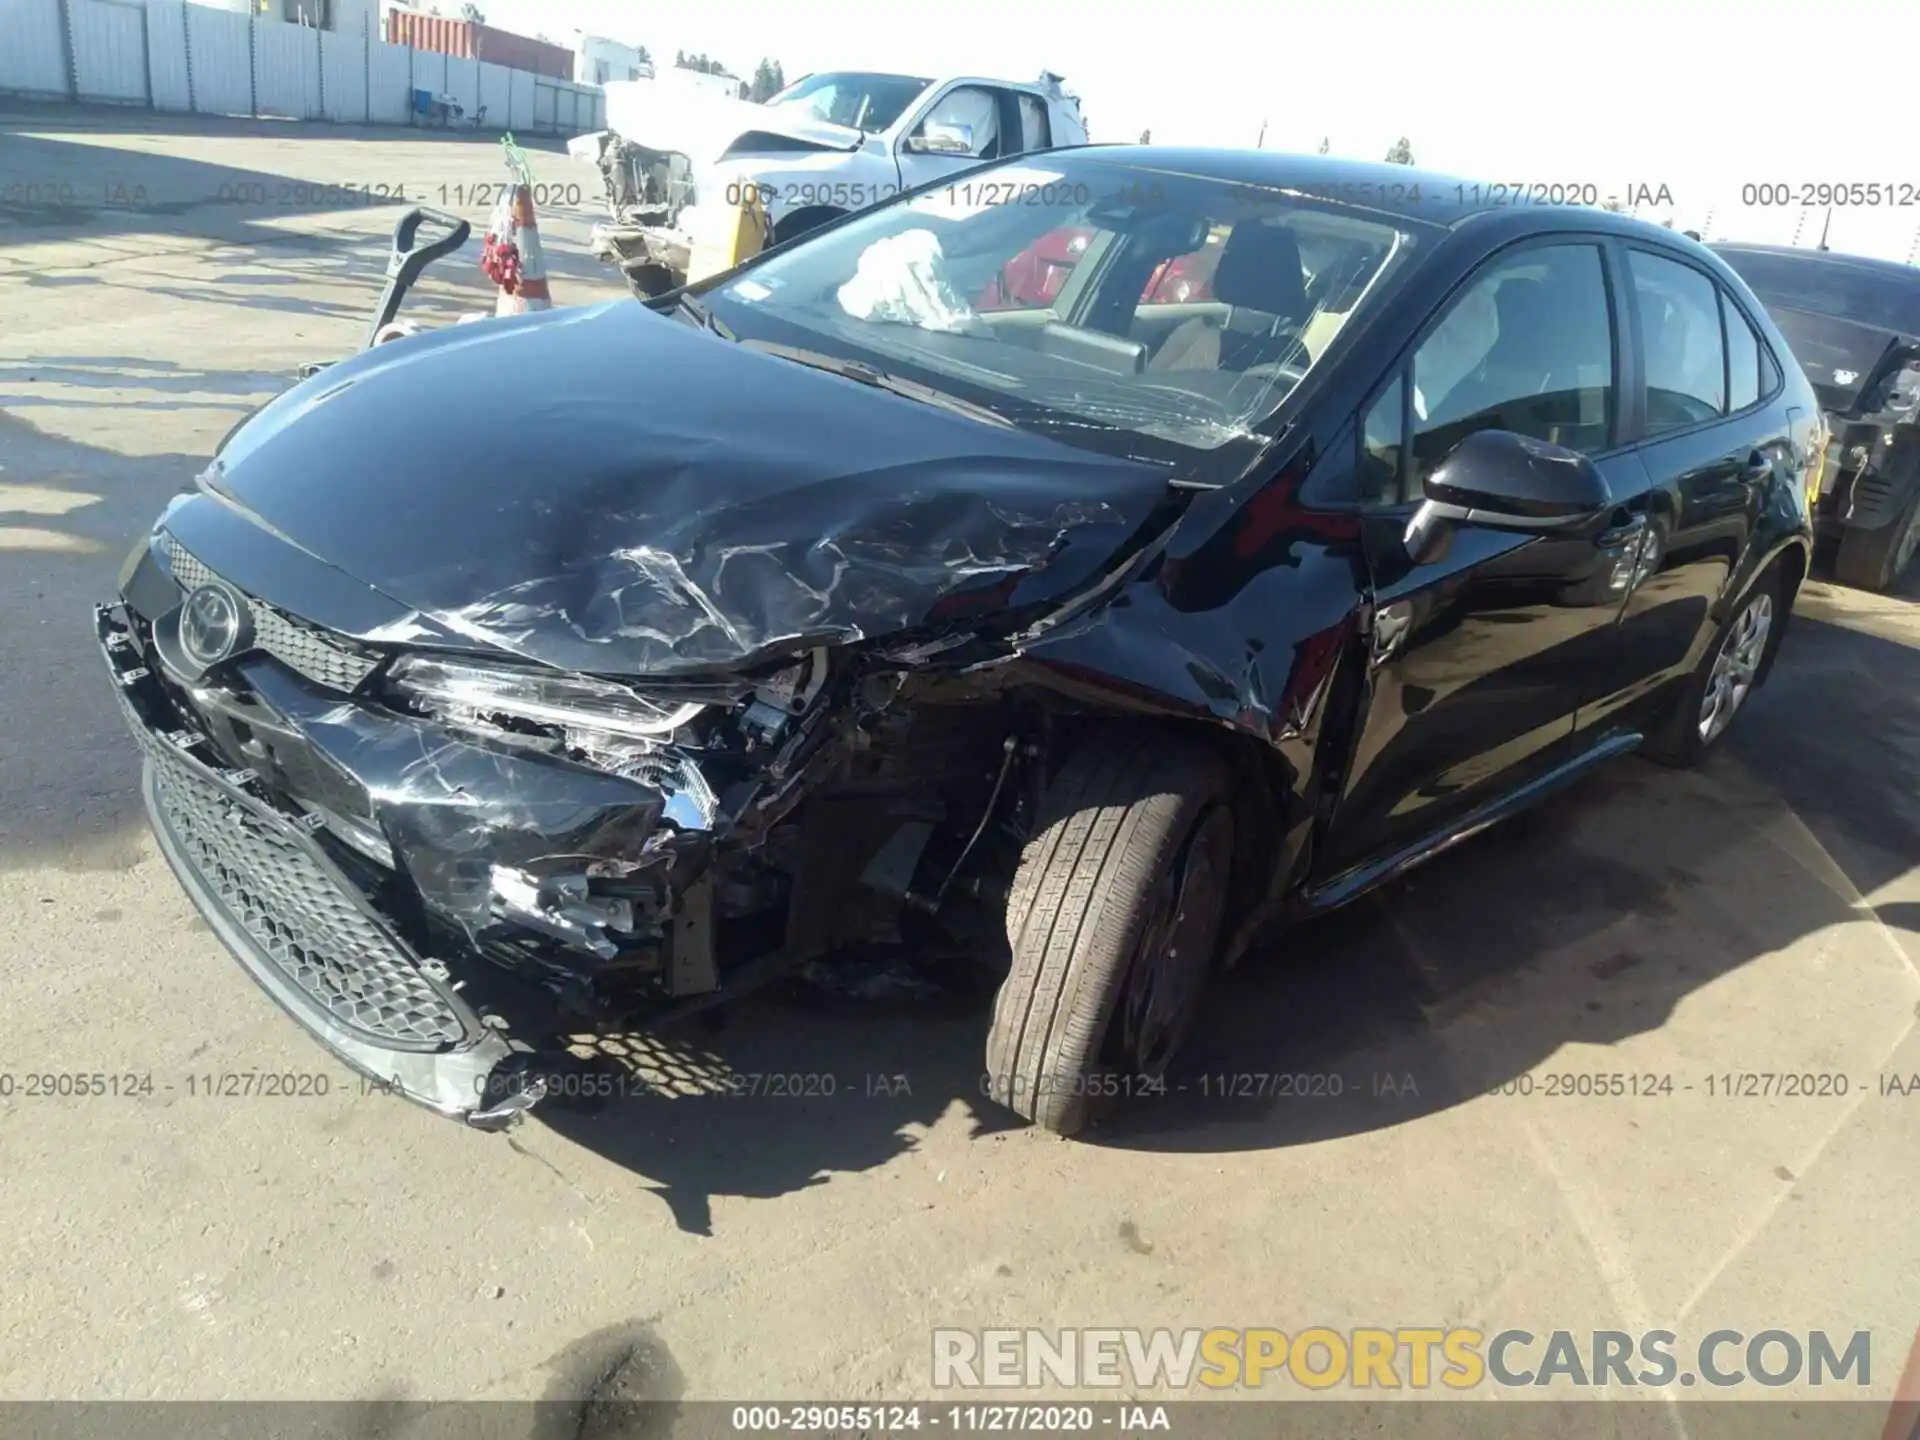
(574,701)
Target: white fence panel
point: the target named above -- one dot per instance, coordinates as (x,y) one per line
(390,84)
(496,93)
(343,77)
(220,54)
(463,83)
(286,70)
(32,57)
(109,50)
(429,72)
(167,55)
(176,55)
(519,114)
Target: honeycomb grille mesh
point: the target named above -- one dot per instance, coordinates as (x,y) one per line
(299,647)
(296,912)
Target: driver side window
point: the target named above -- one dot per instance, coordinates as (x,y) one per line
(1527,348)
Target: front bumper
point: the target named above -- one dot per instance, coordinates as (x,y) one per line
(298,925)
(633,247)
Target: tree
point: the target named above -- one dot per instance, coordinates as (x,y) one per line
(768,81)
(1326,144)
(472,14)
(1401,153)
(1146,137)
(646,57)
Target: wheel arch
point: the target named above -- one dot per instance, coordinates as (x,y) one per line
(807,217)
(1270,820)
(1790,560)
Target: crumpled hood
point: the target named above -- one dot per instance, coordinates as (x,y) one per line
(610,489)
(702,125)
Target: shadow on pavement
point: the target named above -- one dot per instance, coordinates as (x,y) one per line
(1583,922)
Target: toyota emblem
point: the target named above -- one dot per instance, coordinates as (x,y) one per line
(213,625)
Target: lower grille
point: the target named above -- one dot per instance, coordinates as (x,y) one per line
(297,913)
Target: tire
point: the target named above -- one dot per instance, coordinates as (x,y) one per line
(1730,668)
(1873,559)
(648,282)
(1114,920)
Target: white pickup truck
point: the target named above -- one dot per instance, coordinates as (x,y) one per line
(825,145)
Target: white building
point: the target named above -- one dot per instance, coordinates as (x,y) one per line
(349,17)
(597,60)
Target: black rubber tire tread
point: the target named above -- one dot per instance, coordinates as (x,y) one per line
(1114,817)
(1864,558)
(1678,744)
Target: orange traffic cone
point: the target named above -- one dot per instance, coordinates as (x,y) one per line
(522,281)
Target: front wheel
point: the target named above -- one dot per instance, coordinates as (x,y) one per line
(1114,918)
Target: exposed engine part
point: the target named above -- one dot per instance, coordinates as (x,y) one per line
(565,908)
(695,970)
(644,187)
(1009,749)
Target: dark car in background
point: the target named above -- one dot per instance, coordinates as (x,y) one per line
(815,609)
(1854,325)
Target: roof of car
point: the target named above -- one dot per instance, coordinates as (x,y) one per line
(1892,268)
(1429,196)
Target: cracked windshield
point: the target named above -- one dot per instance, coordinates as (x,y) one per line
(1081,296)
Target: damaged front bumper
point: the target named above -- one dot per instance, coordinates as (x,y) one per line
(338,850)
(637,248)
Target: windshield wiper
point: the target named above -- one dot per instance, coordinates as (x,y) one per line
(865,374)
(697,310)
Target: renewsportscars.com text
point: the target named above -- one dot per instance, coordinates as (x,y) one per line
(1402,1357)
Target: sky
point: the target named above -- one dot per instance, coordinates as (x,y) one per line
(1699,98)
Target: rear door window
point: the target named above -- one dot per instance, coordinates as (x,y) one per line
(1686,366)
(1743,358)
(1035,134)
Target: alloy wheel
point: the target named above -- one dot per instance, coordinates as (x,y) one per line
(1735,666)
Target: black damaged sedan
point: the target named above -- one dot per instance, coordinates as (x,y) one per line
(1088,564)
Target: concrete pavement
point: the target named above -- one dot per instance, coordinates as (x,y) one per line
(1759,917)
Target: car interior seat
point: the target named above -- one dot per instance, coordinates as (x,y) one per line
(1259,280)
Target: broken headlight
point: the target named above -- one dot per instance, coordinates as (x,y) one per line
(576,702)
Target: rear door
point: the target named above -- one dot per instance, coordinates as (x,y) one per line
(1481,657)
(1712,439)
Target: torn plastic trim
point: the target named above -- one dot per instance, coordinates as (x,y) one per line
(452,1080)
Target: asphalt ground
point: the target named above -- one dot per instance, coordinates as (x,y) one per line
(1758,918)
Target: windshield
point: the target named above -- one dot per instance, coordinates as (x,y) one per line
(1827,285)
(1081,296)
(854,98)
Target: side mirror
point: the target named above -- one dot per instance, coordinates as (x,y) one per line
(1507,482)
(937,139)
